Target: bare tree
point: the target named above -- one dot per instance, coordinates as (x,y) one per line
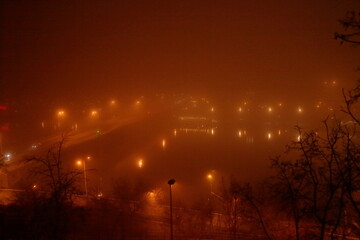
(289,185)
(50,168)
(321,180)
(59,186)
(351,23)
(231,203)
(255,207)
(351,97)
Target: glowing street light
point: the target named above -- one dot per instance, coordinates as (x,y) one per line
(140,163)
(151,195)
(61,113)
(300,110)
(210,178)
(79,163)
(270,109)
(113,106)
(7,157)
(163,143)
(94,113)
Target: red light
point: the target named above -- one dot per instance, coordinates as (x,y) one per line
(3,107)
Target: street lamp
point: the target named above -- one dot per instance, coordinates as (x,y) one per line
(140,163)
(60,114)
(94,113)
(171,182)
(7,157)
(163,143)
(79,163)
(210,178)
(113,104)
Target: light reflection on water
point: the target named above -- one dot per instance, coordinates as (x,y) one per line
(187,151)
(245,135)
(230,150)
(210,131)
(249,139)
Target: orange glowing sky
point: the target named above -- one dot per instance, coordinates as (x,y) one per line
(216,48)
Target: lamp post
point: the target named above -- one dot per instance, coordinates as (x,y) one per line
(210,178)
(140,163)
(79,163)
(60,115)
(112,107)
(171,182)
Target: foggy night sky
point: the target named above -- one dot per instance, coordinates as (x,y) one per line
(71,49)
